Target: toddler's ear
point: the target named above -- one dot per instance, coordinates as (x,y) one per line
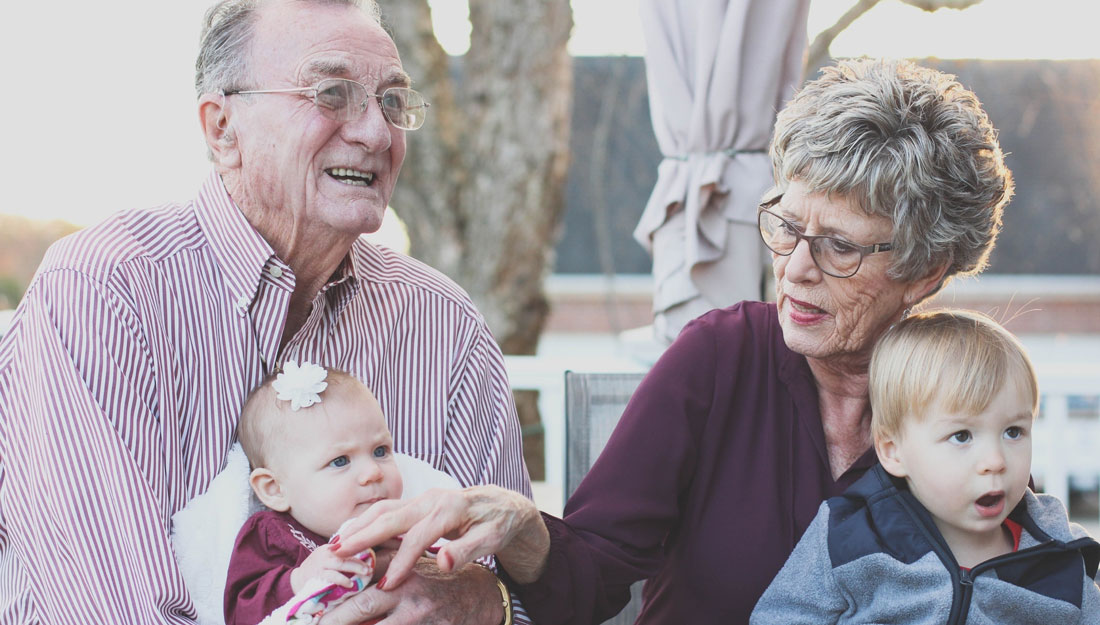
(889,455)
(268,490)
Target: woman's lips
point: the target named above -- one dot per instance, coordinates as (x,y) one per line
(803,312)
(990,504)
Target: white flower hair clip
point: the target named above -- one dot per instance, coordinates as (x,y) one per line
(301,385)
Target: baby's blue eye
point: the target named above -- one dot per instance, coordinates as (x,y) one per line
(338,461)
(962,436)
(1014,432)
(380,451)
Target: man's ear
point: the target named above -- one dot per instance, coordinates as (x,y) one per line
(889,456)
(924,286)
(220,139)
(267,488)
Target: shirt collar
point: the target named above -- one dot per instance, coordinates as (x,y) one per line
(238,248)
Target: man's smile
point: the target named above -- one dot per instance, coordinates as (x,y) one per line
(351,176)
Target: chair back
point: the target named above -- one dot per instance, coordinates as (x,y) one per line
(593,404)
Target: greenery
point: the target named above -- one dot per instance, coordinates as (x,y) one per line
(23,242)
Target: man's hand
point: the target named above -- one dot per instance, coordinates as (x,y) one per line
(325,565)
(428,596)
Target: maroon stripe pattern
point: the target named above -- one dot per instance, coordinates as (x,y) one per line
(125,367)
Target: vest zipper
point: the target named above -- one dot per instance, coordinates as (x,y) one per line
(963,581)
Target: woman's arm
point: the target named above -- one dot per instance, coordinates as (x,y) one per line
(804,590)
(479,521)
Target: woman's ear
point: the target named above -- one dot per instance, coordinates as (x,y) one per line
(267,488)
(889,456)
(922,287)
(220,139)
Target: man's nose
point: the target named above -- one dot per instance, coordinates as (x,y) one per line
(370,129)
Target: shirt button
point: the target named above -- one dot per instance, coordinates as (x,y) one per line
(275,272)
(243,302)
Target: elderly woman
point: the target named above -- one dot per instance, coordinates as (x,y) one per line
(889,181)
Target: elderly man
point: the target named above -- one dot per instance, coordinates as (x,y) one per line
(126,365)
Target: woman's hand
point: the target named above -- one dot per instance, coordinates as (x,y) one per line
(479,521)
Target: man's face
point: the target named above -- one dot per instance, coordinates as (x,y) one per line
(294,161)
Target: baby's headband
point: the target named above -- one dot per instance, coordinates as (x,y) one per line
(301,385)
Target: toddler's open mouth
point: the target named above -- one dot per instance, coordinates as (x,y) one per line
(991,504)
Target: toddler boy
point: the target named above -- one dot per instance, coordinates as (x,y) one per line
(945,529)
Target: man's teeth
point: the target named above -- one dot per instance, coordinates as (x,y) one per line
(352,176)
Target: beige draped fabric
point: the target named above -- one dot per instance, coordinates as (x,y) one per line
(718,70)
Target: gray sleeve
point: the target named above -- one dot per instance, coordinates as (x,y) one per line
(1090,603)
(805,590)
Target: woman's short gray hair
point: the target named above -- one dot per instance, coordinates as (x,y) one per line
(907,143)
(226,34)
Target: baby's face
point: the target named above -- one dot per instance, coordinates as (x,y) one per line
(335,459)
(970,471)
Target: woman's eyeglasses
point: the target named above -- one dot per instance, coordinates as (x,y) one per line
(834,256)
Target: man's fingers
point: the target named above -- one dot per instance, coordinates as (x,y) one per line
(361,607)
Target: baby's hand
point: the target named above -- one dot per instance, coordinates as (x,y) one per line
(325,565)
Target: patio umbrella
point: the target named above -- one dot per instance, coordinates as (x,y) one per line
(717,71)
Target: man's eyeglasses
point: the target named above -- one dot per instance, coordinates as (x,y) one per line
(836,257)
(345,100)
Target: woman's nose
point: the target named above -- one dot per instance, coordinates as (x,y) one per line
(800,263)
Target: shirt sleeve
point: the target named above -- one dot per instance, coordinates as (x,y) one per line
(618,519)
(484,443)
(258,581)
(85,516)
(804,590)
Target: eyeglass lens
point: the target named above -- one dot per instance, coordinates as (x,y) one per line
(344,100)
(836,257)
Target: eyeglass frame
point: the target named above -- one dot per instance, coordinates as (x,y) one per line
(864,250)
(316,91)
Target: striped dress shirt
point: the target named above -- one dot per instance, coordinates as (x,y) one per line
(125,368)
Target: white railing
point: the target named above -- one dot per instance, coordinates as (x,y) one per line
(1066,445)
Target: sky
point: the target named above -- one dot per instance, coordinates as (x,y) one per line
(101,113)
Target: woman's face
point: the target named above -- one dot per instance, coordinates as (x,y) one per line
(836,318)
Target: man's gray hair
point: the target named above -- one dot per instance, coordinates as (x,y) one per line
(226,35)
(907,143)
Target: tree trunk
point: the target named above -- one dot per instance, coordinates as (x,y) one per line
(818,54)
(482,190)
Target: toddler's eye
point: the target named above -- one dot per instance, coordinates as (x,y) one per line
(338,461)
(1014,432)
(381,451)
(962,436)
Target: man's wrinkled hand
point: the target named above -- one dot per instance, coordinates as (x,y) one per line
(427,597)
